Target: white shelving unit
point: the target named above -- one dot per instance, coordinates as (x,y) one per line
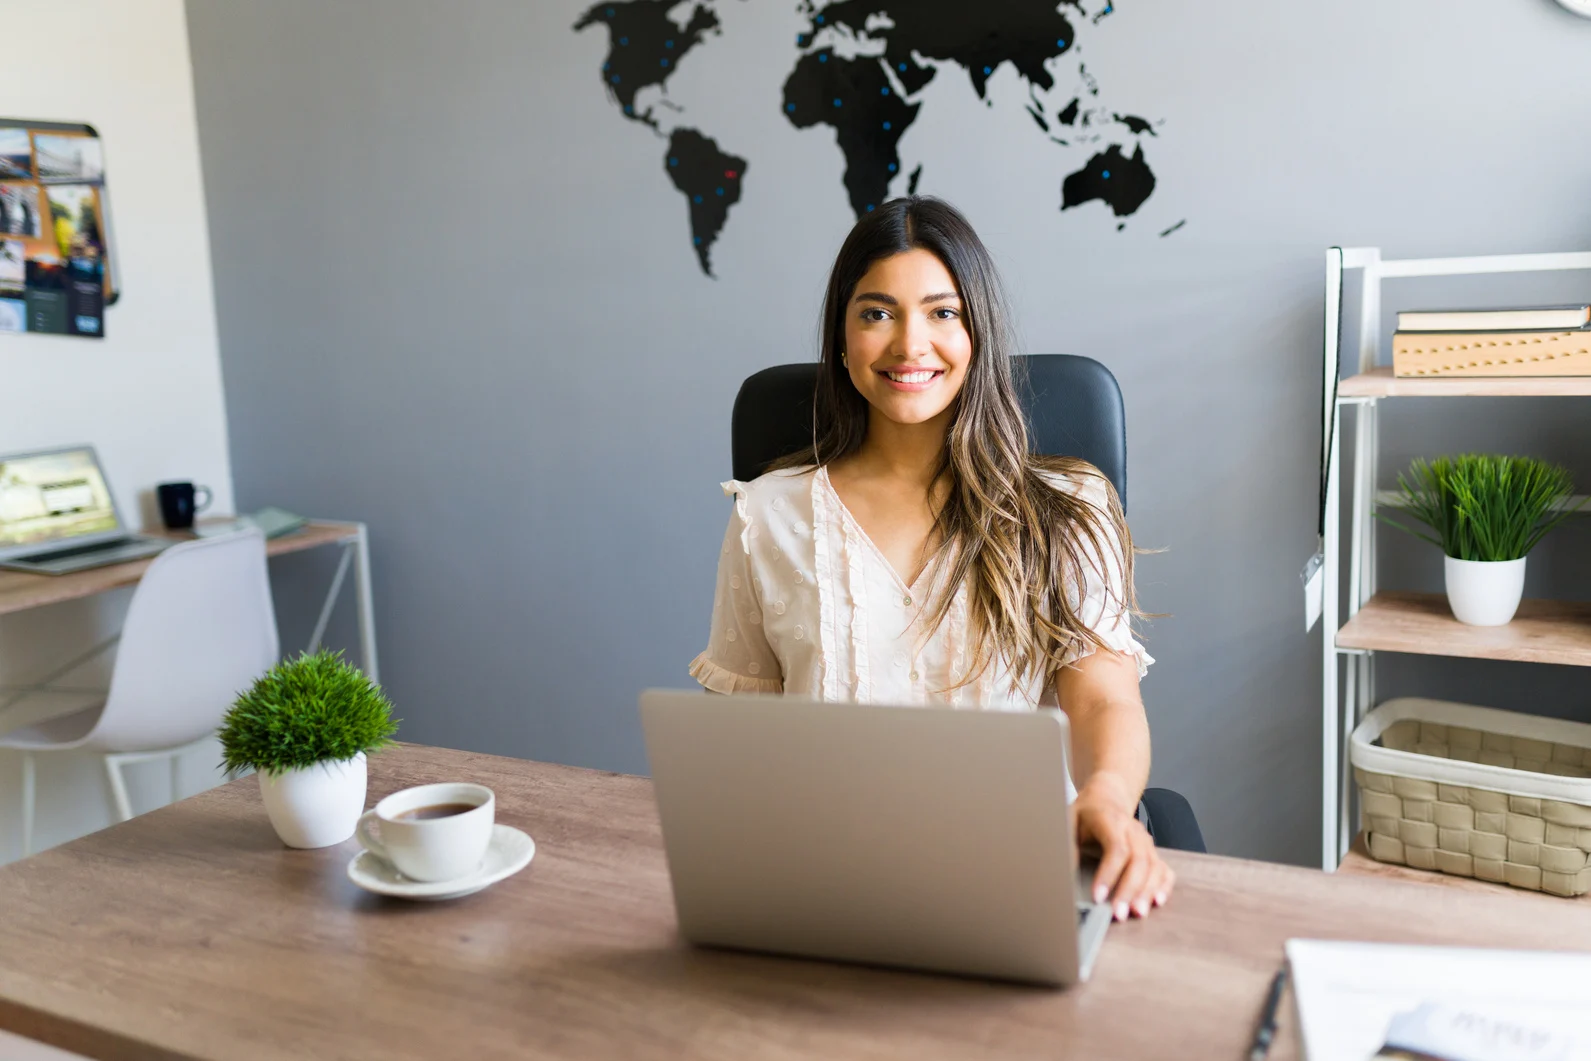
(1543,631)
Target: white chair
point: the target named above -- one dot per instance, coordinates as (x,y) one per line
(199,630)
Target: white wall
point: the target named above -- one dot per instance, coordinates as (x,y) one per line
(149,394)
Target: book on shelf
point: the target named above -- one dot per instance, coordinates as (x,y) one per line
(1522,318)
(1561,352)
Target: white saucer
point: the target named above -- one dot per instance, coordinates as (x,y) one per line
(510,851)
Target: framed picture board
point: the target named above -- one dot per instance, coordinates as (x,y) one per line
(57,271)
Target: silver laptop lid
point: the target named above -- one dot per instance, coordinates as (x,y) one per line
(52,498)
(911,836)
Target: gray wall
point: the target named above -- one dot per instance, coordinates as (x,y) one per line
(456,301)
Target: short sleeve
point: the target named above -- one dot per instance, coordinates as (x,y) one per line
(1101,600)
(738,657)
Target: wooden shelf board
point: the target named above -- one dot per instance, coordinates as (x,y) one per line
(1358,863)
(1543,631)
(1381,383)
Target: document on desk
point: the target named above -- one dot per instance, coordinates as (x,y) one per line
(1512,1005)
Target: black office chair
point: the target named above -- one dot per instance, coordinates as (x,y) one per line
(1074,409)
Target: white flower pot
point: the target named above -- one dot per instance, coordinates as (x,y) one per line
(1484,592)
(316,806)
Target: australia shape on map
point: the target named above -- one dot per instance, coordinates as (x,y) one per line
(859,69)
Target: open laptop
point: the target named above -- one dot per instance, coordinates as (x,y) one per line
(920,837)
(57,514)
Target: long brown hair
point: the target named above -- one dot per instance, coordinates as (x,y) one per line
(1019,544)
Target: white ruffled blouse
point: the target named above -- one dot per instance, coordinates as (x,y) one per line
(807,605)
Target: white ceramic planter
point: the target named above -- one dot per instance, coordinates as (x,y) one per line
(316,806)
(1484,592)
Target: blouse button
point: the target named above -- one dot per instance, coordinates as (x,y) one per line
(799,633)
(778,607)
(778,502)
(914,675)
(755,668)
(734,581)
(799,578)
(906,600)
(754,619)
(731,634)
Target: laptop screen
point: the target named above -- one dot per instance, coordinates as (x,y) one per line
(47,497)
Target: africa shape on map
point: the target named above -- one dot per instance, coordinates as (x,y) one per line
(859,69)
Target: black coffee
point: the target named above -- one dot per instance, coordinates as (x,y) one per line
(435,810)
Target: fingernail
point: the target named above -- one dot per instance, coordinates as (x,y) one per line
(1160,898)
(1142,906)
(1121,911)
(1099,893)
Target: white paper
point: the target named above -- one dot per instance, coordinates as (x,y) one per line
(1314,579)
(1348,993)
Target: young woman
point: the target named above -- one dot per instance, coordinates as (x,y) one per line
(920,553)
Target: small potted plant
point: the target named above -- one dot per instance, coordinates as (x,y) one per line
(305,727)
(1486,513)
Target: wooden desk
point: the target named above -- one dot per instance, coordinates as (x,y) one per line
(192,933)
(20,591)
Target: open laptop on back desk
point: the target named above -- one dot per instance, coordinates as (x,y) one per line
(57,514)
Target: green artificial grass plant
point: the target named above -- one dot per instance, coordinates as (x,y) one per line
(1482,507)
(304,711)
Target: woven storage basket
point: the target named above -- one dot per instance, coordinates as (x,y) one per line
(1477,792)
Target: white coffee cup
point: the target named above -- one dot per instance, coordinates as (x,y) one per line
(427,833)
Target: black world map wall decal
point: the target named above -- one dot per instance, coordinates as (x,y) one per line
(859,69)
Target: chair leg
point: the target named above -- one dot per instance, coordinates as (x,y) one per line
(118,788)
(27,804)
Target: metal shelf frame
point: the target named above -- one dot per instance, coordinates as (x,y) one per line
(1344,702)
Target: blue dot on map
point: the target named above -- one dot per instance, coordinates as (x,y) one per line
(884,91)
(668,44)
(720,191)
(1060,44)
(819,20)
(665,62)
(697,240)
(1106,174)
(892,167)
(790,107)
(696,199)
(836,101)
(673,162)
(988,69)
(823,58)
(903,68)
(870,208)
(624,40)
(615,79)
(886,125)
(610,12)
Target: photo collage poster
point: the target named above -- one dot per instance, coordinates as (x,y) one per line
(54,245)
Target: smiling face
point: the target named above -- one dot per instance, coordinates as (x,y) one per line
(906,341)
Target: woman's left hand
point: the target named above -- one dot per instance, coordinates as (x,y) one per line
(1131,873)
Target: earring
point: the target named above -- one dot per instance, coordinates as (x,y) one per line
(843,361)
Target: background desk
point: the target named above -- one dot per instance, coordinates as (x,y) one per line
(20,591)
(191,932)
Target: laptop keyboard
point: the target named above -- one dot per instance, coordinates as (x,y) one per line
(105,549)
